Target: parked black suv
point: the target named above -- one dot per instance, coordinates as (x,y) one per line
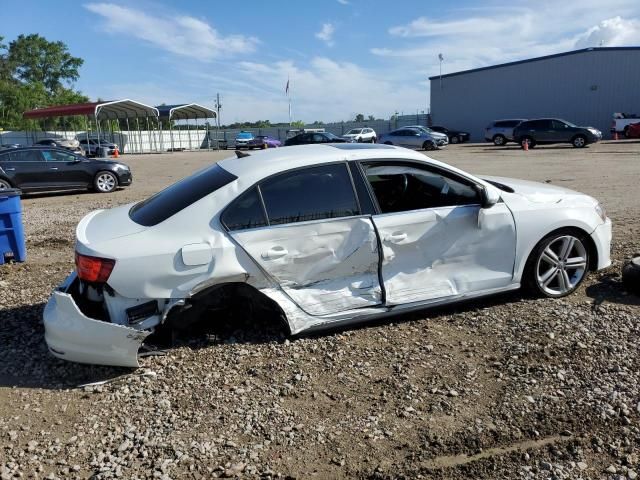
(37,169)
(553,130)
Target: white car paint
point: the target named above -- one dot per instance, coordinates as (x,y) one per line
(319,272)
(364,134)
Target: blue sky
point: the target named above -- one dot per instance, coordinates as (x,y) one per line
(343,56)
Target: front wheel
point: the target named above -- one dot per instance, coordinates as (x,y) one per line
(558,264)
(499,140)
(105,182)
(4,185)
(579,141)
(429,146)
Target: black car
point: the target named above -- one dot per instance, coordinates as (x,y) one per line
(554,130)
(315,137)
(454,135)
(36,169)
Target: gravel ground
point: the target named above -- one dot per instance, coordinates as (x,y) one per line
(507,387)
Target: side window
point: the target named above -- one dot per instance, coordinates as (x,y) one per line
(402,187)
(56,156)
(26,156)
(558,125)
(245,212)
(309,194)
(319,138)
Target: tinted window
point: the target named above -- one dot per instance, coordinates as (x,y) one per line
(309,194)
(537,124)
(366,203)
(245,212)
(400,187)
(56,156)
(171,200)
(558,125)
(26,156)
(317,137)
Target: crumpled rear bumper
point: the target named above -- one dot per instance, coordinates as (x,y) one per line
(71,335)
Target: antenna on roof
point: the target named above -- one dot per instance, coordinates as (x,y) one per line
(242,154)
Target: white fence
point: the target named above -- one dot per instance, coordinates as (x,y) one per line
(149,141)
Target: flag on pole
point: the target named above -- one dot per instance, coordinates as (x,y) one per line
(286,90)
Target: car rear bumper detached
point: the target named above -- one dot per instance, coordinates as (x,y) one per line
(602,238)
(71,335)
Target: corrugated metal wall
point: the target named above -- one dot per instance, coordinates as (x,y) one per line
(585,88)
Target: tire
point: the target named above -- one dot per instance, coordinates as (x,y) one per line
(558,264)
(388,143)
(4,184)
(532,142)
(579,141)
(454,140)
(631,276)
(374,140)
(499,140)
(626,132)
(429,146)
(360,140)
(105,182)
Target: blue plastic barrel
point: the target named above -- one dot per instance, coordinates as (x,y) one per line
(12,243)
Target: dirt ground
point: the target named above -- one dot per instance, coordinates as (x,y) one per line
(507,387)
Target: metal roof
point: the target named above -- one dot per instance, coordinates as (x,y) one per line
(536,59)
(101,110)
(185,111)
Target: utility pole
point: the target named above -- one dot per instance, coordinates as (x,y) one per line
(218,108)
(441,58)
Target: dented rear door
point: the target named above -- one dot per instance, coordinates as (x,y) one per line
(306,230)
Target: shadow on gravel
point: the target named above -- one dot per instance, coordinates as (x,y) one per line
(609,289)
(25,360)
(61,193)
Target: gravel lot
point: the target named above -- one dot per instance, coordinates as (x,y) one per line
(509,387)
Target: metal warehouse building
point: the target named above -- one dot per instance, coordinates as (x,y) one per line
(583,86)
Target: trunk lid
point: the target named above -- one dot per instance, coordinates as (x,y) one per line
(103,225)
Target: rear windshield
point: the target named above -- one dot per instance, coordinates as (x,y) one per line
(180,195)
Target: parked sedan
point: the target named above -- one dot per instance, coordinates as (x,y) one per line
(306,138)
(455,136)
(37,169)
(91,146)
(554,130)
(318,235)
(440,139)
(411,138)
(72,145)
(264,141)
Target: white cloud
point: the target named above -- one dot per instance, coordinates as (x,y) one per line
(181,34)
(613,32)
(326,34)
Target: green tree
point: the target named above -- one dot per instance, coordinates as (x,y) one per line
(298,124)
(34,59)
(359,118)
(371,118)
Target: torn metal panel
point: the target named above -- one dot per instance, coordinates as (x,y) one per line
(324,266)
(443,252)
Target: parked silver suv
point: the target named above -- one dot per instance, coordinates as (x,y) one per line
(501,131)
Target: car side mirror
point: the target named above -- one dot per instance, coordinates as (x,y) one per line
(489,196)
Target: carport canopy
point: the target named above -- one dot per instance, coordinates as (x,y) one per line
(113,110)
(186,111)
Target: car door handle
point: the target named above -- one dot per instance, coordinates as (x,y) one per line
(397,237)
(10,169)
(274,253)
(53,168)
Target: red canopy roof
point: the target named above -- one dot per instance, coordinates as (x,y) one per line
(103,110)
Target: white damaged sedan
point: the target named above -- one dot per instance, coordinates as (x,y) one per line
(322,235)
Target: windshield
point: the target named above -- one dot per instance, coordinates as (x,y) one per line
(354,131)
(245,135)
(180,195)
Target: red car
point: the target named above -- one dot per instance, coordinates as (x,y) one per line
(632,131)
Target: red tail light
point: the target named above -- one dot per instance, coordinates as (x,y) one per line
(94,269)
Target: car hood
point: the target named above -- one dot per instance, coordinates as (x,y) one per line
(100,226)
(537,192)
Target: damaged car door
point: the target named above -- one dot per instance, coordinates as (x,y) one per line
(304,228)
(437,240)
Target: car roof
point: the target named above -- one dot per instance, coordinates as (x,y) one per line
(258,165)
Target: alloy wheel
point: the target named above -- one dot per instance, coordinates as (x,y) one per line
(579,142)
(106,182)
(561,266)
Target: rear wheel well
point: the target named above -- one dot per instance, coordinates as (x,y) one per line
(6,180)
(233,299)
